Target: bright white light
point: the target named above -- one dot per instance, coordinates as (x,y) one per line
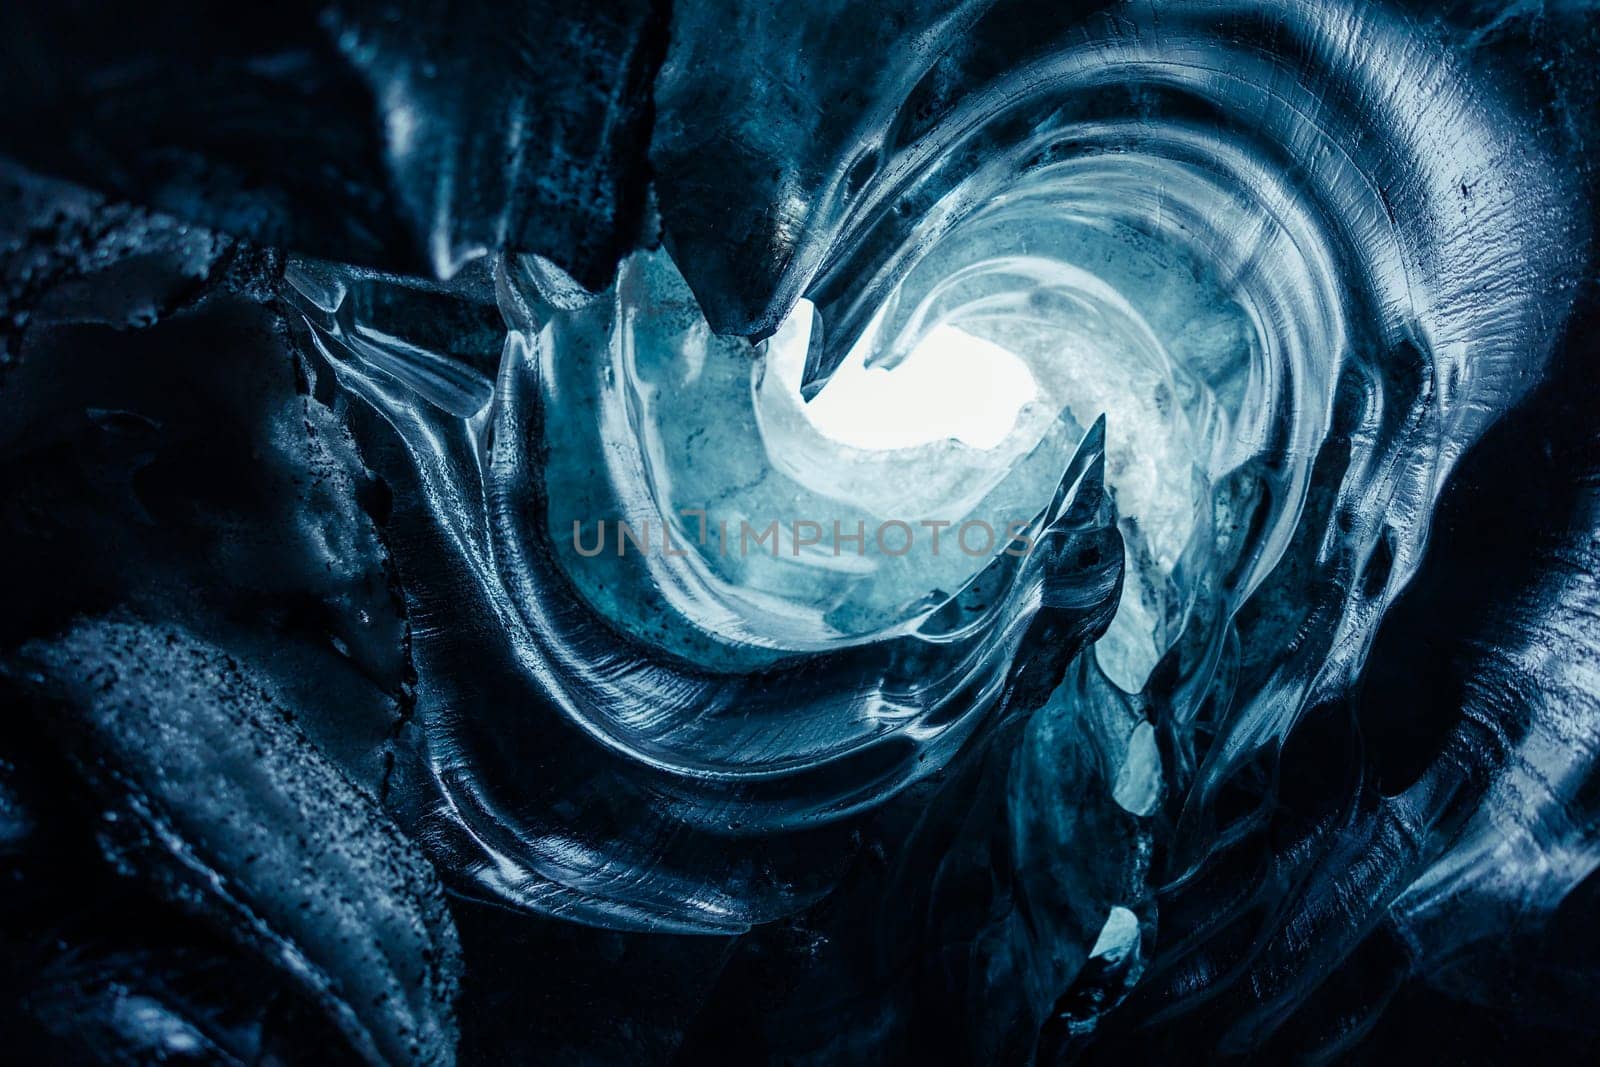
(951,385)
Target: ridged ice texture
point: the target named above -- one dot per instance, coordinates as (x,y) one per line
(226,807)
(583,770)
(1309,233)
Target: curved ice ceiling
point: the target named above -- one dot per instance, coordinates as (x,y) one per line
(1296,257)
(1242,284)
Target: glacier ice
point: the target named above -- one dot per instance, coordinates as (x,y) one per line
(1282,713)
(744,736)
(1288,364)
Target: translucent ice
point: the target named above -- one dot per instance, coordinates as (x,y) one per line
(1260,268)
(1051,530)
(1262,274)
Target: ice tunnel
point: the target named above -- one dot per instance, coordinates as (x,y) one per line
(986,532)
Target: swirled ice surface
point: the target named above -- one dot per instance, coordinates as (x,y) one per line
(1269,269)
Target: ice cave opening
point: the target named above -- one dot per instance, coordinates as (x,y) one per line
(951,385)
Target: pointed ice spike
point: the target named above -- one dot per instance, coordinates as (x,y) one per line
(831,345)
(819,368)
(1081,493)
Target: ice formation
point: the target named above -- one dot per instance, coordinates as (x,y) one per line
(1277,250)
(1038,690)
